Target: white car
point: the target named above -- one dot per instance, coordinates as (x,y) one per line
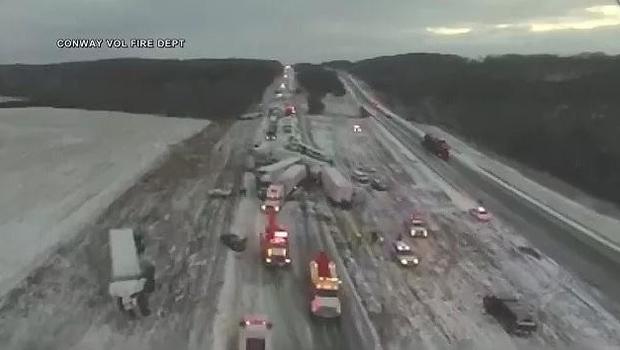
(357,128)
(404,255)
(480,213)
(417,227)
(255,333)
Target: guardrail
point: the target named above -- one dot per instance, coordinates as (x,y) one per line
(587,235)
(355,322)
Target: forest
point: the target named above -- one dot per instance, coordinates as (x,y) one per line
(200,88)
(557,114)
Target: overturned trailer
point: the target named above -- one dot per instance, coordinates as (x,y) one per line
(337,188)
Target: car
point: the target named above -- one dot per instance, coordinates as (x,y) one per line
(366,169)
(403,254)
(417,227)
(234,242)
(379,184)
(361,177)
(515,317)
(357,128)
(480,213)
(255,333)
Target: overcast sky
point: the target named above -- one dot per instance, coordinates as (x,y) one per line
(308,30)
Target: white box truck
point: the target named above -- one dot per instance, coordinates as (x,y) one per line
(338,189)
(128,282)
(283,186)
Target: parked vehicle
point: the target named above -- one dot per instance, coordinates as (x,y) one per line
(129,281)
(336,187)
(416,226)
(379,184)
(361,177)
(437,146)
(255,333)
(325,296)
(403,254)
(511,314)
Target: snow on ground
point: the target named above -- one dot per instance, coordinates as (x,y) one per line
(59,168)
(438,304)
(603,224)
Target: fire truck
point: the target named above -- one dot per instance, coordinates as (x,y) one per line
(274,242)
(325,298)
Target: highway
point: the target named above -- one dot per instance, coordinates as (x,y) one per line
(203,289)
(544,232)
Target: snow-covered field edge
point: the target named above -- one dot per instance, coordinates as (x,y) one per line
(87,214)
(588,235)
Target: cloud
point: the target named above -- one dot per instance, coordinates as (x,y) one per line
(448,31)
(584,19)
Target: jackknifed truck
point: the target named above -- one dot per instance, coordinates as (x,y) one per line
(129,281)
(338,189)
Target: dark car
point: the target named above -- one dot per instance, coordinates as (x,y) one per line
(234,242)
(515,317)
(379,184)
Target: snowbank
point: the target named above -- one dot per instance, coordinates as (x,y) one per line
(60,168)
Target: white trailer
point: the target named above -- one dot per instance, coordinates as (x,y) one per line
(292,177)
(338,189)
(269,173)
(127,282)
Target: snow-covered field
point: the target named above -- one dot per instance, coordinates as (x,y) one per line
(59,168)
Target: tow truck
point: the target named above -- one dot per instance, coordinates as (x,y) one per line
(403,254)
(274,242)
(325,298)
(416,226)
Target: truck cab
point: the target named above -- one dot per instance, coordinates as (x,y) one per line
(273,197)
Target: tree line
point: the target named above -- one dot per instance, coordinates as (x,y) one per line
(199,88)
(560,115)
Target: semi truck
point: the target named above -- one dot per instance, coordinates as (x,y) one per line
(274,242)
(269,173)
(128,280)
(338,189)
(437,146)
(283,186)
(325,295)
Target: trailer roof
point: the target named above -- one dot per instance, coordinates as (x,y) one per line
(336,176)
(123,253)
(279,165)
